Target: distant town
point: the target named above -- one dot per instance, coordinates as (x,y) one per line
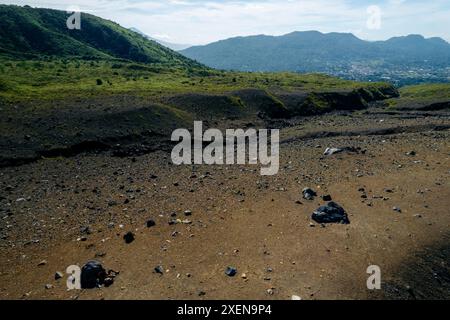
(397,74)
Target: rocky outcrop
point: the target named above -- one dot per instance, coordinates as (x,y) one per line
(314,103)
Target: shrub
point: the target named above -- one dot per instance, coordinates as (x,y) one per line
(3,85)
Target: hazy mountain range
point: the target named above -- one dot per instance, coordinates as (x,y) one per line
(170,45)
(27,32)
(401,59)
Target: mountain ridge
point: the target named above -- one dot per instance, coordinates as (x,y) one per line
(36,32)
(339,54)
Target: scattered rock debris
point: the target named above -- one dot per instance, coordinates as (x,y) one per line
(230,271)
(308,193)
(397,209)
(331,151)
(128,237)
(159,270)
(150,223)
(42,263)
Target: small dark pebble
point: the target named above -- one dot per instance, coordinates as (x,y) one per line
(151,223)
(308,193)
(230,271)
(128,237)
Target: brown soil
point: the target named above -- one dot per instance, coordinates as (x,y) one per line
(240,218)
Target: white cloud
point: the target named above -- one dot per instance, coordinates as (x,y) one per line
(198,22)
(165,37)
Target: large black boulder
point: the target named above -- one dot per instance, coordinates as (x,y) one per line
(331,213)
(92,275)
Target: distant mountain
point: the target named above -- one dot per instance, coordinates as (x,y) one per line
(34,32)
(170,45)
(341,54)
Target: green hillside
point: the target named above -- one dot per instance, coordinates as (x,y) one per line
(426,97)
(41,59)
(108,88)
(27,32)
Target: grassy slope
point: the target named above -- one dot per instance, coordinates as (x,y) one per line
(41,59)
(419,96)
(109,85)
(42,80)
(61,104)
(430,91)
(32,32)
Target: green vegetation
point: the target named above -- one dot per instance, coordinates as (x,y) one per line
(61,78)
(105,86)
(41,59)
(27,32)
(427,91)
(420,96)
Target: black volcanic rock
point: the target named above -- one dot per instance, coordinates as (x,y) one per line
(331,213)
(92,275)
(308,193)
(128,237)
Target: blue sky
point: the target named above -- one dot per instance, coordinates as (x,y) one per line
(200,22)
